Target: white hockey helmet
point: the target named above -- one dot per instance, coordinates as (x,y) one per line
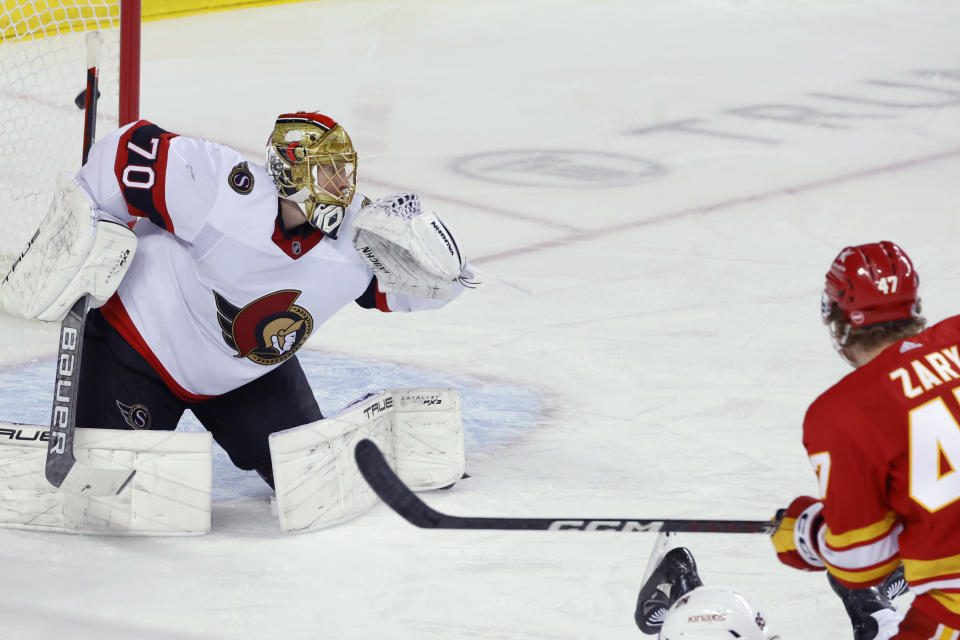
(714,613)
(312,162)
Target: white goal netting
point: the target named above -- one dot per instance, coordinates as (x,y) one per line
(43,66)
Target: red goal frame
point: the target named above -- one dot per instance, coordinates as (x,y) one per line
(129,107)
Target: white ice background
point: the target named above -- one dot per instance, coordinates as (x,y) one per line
(654,190)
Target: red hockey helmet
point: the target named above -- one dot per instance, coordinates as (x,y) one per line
(872,283)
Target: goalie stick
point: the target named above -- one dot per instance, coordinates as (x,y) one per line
(62,469)
(401,499)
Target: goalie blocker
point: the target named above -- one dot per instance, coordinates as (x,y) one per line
(71,254)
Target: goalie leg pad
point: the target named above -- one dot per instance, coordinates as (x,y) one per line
(316,480)
(428,444)
(70,255)
(169,494)
(315,474)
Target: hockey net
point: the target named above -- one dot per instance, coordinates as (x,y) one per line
(42,65)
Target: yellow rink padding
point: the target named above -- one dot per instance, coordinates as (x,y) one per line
(26,19)
(159,9)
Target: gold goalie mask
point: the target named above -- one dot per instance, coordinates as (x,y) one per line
(311,160)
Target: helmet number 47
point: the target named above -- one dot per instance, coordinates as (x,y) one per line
(887,284)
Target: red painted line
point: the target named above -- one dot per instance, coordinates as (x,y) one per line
(577,235)
(512,215)
(720,205)
(504,213)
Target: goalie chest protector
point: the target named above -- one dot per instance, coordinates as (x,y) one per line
(217,294)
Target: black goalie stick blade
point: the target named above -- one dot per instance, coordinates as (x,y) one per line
(94,481)
(62,469)
(401,499)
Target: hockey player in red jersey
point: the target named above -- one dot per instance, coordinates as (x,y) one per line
(885,445)
(236,265)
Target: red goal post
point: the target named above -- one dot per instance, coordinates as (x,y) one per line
(42,66)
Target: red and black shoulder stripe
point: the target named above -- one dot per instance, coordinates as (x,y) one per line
(141,168)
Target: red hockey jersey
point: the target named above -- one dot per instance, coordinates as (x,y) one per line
(218,293)
(885,444)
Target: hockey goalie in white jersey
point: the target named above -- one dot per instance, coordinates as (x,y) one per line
(236,265)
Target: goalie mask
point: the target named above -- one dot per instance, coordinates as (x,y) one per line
(714,613)
(312,162)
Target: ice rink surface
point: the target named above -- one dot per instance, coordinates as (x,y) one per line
(654,191)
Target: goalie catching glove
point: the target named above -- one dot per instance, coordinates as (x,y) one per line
(409,250)
(71,254)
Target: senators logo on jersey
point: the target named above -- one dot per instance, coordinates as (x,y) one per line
(137,416)
(241,179)
(268,330)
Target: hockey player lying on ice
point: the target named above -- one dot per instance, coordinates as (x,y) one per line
(236,265)
(885,444)
(674,604)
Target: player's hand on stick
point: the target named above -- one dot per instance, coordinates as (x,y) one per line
(796,538)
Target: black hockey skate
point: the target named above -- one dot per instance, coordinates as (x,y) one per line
(675,576)
(895,584)
(862,604)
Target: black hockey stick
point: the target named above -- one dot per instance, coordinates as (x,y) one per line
(62,468)
(401,499)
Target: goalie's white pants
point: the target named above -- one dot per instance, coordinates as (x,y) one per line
(168,495)
(318,484)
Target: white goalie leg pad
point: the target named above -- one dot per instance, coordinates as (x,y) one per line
(428,447)
(315,474)
(316,478)
(409,250)
(70,255)
(168,495)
